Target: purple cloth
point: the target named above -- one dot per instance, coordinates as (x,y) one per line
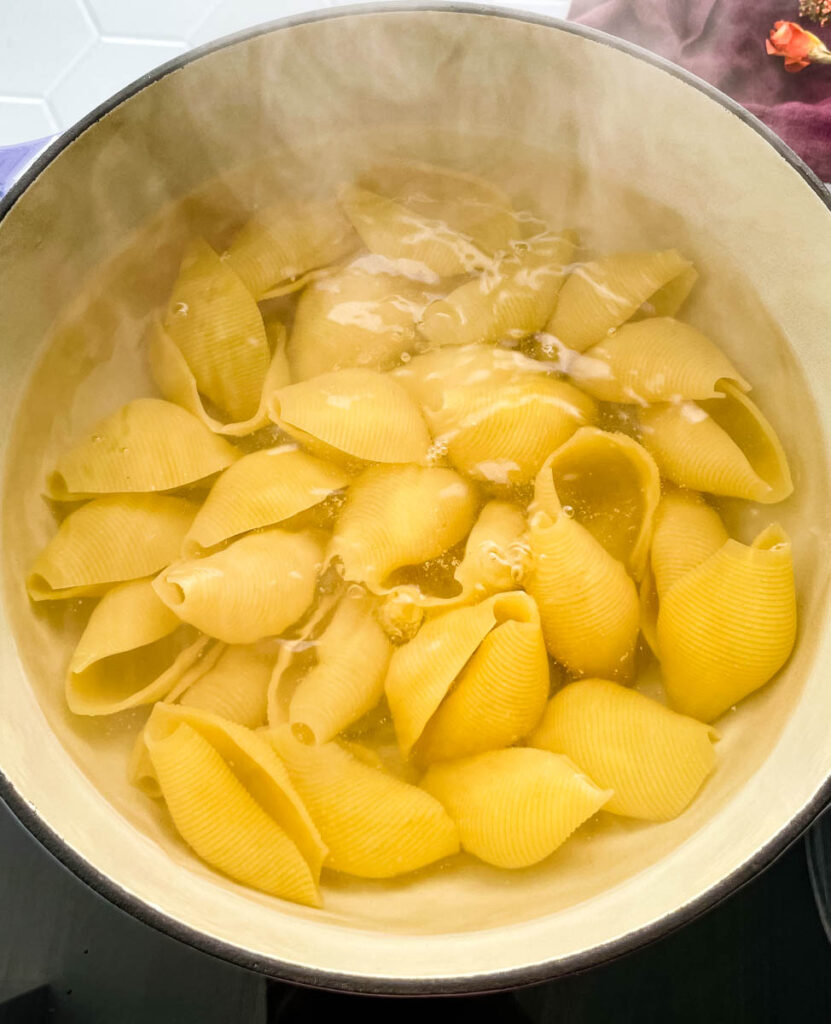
(723,41)
(13,159)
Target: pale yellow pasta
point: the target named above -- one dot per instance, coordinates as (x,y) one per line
(601,295)
(511,299)
(383,525)
(653,759)
(687,531)
(723,446)
(727,626)
(363,316)
(588,603)
(352,656)
(472,679)
(648,602)
(232,801)
(353,414)
(514,807)
(654,360)
(147,445)
(110,540)
(281,245)
(262,489)
(235,687)
(497,553)
(612,486)
(254,588)
(375,825)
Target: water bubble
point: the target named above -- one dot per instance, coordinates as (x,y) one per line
(97,437)
(405,357)
(180,309)
(568,510)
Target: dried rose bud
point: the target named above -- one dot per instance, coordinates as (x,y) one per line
(798,47)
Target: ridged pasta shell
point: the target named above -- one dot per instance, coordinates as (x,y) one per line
(347,681)
(587,601)
(235,687)
(133,651)
(252,589)
(612,485)
(357,317)
(654,759)
(687,531)
(110,540)
(353,414)
(514,807)
(497,554)
(262,489)
(603,294)
(425,246)
(722,446)
(232,801)
(215,323)
(375,825)
(726,627)
(400,515)
(283,243)
(648,601)
(511,299)
(472,679)
(654,360)
(177,383)
(147,445)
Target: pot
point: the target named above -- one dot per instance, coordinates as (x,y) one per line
(607,138)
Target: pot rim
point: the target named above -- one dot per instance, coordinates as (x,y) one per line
(334,981)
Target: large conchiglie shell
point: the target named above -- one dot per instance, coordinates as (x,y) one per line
(282,244)
(687,531)
(613,487)
(654,360)
(500,694)
(252,589)
(177,383)
(511,299)
(588,603)
(357,317)
(648,601)
(353,414)
(235,687)
(726,627)
(110,540)
(465,202)
(654,759)
(722,446)
(375,825)
(262,489)
(215,323)
(497,553)
(423,244)
(353,654)
(603,294)
(400,515)
(514,807)
(148,445)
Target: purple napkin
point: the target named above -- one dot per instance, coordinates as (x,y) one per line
(13,159)
(723,41)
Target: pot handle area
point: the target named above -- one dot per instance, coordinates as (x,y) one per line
(15,159)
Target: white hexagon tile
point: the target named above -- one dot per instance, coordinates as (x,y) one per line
(61,58)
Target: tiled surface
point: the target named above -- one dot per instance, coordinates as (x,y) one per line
(61,58)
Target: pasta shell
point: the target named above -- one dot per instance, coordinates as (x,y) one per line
(648,600)
(283,243)
(352,654)
(214,321)
(497,554)
(148,445)
(654,759)
(612,486)
(425,246)
(375,825)
(687,531)
(722,446)
(514,807)
(726,627)
(235,687)
(232,801)
(400,515)
(655,360)
(354,318)
(254,588)
(588,603)
(511,299)
(110,540)
(357,414)
(494,654)
(262,489)
(601,295)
